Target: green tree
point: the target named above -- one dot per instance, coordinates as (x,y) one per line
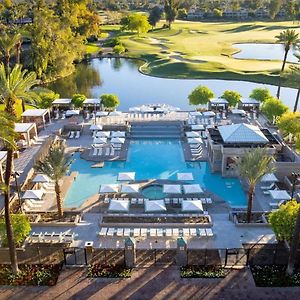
(154,16)
(289,124)
(289,39)
(55,165)
(170,12)
(218,13)
(273,108)
(119,49)
(293,77)
(252,167)
(200,95)
(274,8)
(260,94)
(232,97)
(77,100)
(181,13)
(46,97)
(136,22)
(110,100)
(21,229)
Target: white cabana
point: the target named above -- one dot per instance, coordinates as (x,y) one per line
(118,205)
(105,134)
(95,127)
(115,114)
(101,113)
(99,140)
(192,189)
(155,206)
(192,134)
(192,206)
(41,178)
(279,195)
(39,116)
(196,140)
(91,102)
(62,102)
(126,176)
(117,140)
(172,188)
(195,113)
(270,177)
(33,194)
(185,176)
(109,188)
(118,134)
(208,114)
(27,131)
(198,127)
(130,188)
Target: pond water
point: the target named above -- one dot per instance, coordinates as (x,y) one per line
(121,77)
(264,52)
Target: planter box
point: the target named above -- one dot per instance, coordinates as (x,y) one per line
(263,224)
(54,223)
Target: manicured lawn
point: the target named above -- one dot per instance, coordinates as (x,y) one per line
(18,108)
(91,48)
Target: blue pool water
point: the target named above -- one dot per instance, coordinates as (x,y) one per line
(151,159)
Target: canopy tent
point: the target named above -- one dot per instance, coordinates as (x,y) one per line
(192,206)
(41,178)
(198,127)
(196,140)
(155,206)
(195,113)
(72,112)
(208,114)
(185,176)
(126,176)
(118,134)
(115,114)
(99,140)
(191,134)
(109,188)
(103,134)
(39,116)
(172,188)
(279,195)
(33,194)
(118,205)
(270,177)
(192,189)
(101,113)
(130,188)
(117,140)
(95,127)
(27,131)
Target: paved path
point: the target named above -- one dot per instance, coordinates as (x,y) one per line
(151,283)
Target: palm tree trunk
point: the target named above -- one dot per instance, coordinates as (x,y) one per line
(294,247)
(250,202)
(7,60)
(18,56)
(58,200)
(297,101)
(8,225)
(23,105)
(282,69)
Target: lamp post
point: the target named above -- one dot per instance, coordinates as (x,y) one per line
(295,178)
(16,175)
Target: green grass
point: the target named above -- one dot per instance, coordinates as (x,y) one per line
(91,48)
(18,109)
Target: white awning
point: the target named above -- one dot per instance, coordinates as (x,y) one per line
(118,134)
(191,134)
(126,176)
(117,140)
(72,112)
(118,205)
(103,134)
(91,102)
(23,127)
(155,205)
(101,113)
(96,127)
(208,114)
(42,178)
(33,194)
(192,206)
(270,177)
(115,114)
(185,176)
(192,189)
(62,101)
(130,188)
(38,112)
(196,140)
(109,188)
(279,195)
(198,127)
(99,140)
(172,188)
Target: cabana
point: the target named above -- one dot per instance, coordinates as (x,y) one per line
(91,104)
(27,131)
(249,104)
(172,189)
(155,206)
(185,176)
(3,155)
(118,205)
(40,117)
(217,104)
(126,176)
(192,189)
(130,188)
(192,206)
(62,104)
(109,188)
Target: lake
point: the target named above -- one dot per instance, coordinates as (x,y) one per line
(263,52)
(121,77)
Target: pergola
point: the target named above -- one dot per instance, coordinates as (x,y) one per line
(91,104)
(38,116)
(248,104)
(63,104)
(3,155)
(218,103)
(27,131)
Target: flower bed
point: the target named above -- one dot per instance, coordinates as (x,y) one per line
(272,276)
(202,272)
(30,275)
(108,271)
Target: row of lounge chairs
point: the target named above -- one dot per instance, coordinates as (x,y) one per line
(196,150)
(74,135)
(156,232)
(167,200)
(63,116)
(32,205)
(110,151)
(46,237)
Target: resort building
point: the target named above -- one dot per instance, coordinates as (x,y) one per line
(40,117)
(27,131)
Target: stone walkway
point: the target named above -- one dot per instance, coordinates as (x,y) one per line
(151,283)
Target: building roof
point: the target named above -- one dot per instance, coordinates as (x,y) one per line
(218,101)
(23,127)
(91,101)
(39,112)
(242,133)
(249,101)
(62,101)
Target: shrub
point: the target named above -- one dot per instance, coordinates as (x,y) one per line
(260,94)
(108,271)
(119,49)
(46,97)
(110,100)
(273,108)
(200,95)
(78,99)
(202,272)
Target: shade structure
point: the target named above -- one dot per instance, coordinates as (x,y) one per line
(192,134)
(279,195)
(72,112)
(101,113)
(115,113)
(196,140)
(185,176)
(195,113)
(33,194)
(134,109)
(96,127)
(118,134)
(198,127)
(237,111)
(41,178)
(192,206)
(126,176)
(100,140)
(270,177)
(105,134)
(118,205)
(192,189)
(91,102)
(109,188)
(117,140)
(155,205)
(130,188)
(208,114)
(172,188)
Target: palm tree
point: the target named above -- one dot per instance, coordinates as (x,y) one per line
(252,167)
(293,76)
(289,38)
(55,166)
(15,84)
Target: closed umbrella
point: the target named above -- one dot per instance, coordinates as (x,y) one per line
(192,189)
(172,189)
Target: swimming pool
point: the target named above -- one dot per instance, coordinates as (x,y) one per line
(151,159)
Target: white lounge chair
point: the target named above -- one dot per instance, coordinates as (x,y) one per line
(110,231)
(136,232)
(72,135)
(269,187)
(103,231)
(68,237)
(107,152)
(175,232)
(144,232)
(95,152)
(168,232)
(100,151)
(63,116)
(209,232)
(152,232)
(77,135)
(126,231)
(186,231)
(120,231)
(193,232)
(202,232)
(160,232)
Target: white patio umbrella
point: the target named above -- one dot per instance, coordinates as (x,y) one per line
(197,127)
(196,140)
(185,176)
(41,178)
(118,205)
(115,114)
(96,127)
(33,194)
(195,113)
(192,189)
(101,113)
(118,134)
(99,140)
(109,188)
(270,177)
(130,188)
(192,206)
(103,134)
(208,114)
(126,176)
(191,134)
(279,195)
(117,140)
(155,205)
(172,189)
